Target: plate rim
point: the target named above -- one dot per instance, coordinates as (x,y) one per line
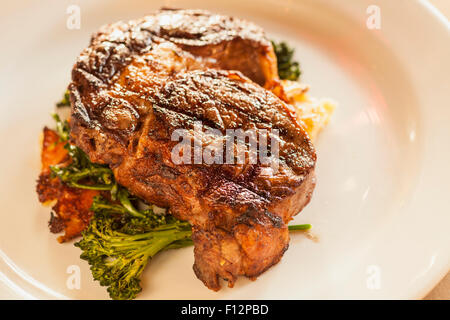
(421,291)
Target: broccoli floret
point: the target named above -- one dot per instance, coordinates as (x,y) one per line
(118,247)
(287,68)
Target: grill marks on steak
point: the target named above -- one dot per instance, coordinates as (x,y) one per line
(139,81)
(234,44)
(226,42)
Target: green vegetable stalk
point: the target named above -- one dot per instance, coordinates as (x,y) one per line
(65,102)
(287,68)
(98,177)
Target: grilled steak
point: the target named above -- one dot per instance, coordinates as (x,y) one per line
(139,81)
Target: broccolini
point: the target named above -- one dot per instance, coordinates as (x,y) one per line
(118,246)
(287,68)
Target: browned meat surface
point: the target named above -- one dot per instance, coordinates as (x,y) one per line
(225,42)
(139,81)
(71,205)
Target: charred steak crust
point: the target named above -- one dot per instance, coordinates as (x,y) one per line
(139,81)
(234,44)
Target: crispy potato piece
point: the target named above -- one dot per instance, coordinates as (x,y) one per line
(71,205)
(53,151)
(312,114)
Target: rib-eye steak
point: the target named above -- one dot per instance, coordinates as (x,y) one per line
(139,81)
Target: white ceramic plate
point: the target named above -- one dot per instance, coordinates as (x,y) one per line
(381,208)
